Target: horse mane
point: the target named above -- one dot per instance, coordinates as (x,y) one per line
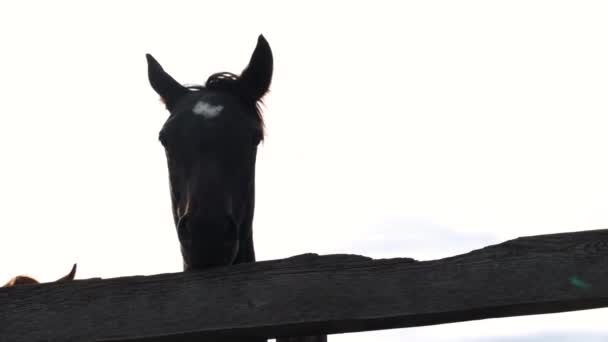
(21,280)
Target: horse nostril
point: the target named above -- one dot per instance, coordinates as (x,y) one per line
(183,228)
(232,227)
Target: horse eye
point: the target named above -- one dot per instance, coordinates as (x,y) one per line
(163,139)
(257,138)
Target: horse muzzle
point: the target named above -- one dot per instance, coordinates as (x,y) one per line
(207,242)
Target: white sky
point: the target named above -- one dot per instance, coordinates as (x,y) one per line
(420,129)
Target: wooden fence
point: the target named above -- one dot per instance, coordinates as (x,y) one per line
(315,295)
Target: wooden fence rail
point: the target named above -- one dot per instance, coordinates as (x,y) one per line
(315,295)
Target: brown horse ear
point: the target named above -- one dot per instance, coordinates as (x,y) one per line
(70,276)
(257,75)
(168,88)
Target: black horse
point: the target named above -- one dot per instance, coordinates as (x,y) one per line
(211,139)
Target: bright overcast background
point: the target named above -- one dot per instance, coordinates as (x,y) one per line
(421,129)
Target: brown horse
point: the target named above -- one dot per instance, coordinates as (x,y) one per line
(26,280)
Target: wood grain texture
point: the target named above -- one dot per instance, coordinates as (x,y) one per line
(314,295)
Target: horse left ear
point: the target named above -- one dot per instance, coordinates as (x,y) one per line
(257,75)
(168,88)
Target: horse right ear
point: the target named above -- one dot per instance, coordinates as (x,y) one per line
(168,88)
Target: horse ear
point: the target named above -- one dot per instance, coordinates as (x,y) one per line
(70,276)
(169,89)
(257,75)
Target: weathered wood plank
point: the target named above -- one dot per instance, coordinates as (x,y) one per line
(312,295)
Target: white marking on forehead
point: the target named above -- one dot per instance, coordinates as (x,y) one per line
(208,111)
